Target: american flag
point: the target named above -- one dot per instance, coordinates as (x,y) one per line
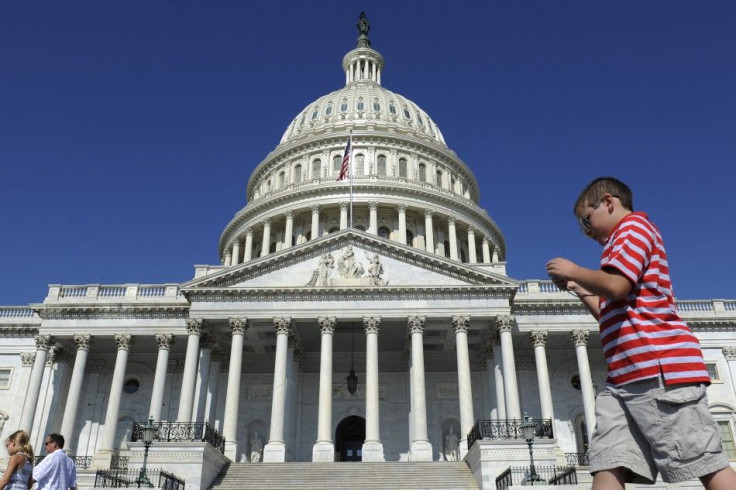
(345,162)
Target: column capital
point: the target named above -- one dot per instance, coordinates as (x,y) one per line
(164,341)
(579,337)
(249,232)
(315,208)
(505,323)
(27,358)
(471,230)
(416,324)
(123,342)
(195,326)
(43,342)
(266,222)
(729,352)
(238,326)
(538,338)
(289,214)
(327,325)
(460,323)
(485,240)
(451,221)
(401,208)
(428,213)
(373,205)
(344,205)
(282,325)
(83,342)
(371,324)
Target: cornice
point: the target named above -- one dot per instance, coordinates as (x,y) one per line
(548,308)
(20,331)
(106,312)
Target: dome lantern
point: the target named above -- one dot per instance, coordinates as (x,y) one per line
(363,63)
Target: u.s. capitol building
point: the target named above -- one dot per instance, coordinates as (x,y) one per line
(402,285)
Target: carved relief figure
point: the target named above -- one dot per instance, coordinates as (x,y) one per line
(375,271)
(320,276)
(451,445)
(349,267)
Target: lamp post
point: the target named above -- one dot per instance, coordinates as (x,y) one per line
(352,379)
(148,432)
(528,428)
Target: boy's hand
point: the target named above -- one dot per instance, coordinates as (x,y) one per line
(561,271)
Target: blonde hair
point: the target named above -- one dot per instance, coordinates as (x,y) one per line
(23,440)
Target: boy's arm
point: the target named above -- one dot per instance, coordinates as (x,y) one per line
(608,283)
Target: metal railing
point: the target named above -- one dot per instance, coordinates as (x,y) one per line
(119,462)
(577,459)
(508,429)
(179,432)
(132,478)
(545,475)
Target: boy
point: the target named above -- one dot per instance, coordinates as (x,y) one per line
(653,414)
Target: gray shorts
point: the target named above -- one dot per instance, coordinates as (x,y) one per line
(647,428)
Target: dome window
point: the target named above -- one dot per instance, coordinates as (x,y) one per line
(297,174)
(381,166)
(315,113)
(359,165)
(402,168)
(282,179)
(384,232)
(336,164)
(344,105)
(419,119)
(301,123)
(422,172)
(360,106)
(407,114)
(328,109)
(376,106)
(316,168)
(392,109)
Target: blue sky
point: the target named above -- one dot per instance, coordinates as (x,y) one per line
(128,130)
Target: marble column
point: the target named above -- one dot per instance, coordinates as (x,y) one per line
(210,406)
(43,344)
(206,343)
(315,222)
(486,251)
(460,325)
(238,327)
(402,224)
(227,261)
(428,233)
(539,340)
(473,258)
(580,339)
(289,229)
(235,258)
(453,237)
(372,447)
(373,225)
(104,455)
(500,408)
(344,215)
(266,243)
(164,342)
(324,448)
(505,326)
(248,254)
(82,343)
(729,352)
(421,448)
(275,450)
(189,378)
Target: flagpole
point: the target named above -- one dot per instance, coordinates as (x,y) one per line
(350,171)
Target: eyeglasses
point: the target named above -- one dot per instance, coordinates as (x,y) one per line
(584,221)
(47,443)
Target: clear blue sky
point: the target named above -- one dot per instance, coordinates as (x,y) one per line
(128,129)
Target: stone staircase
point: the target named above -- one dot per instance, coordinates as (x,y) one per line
(338,476)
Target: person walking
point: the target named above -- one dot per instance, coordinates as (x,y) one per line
(56,471)
(17,475)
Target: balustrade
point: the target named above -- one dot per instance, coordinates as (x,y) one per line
(179,432)
(15,312)
(508,429)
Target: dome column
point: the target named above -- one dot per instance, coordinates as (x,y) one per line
(324,448)
(473,259)
(265,245)
(373,226)
(235,257)
(228,259)
(288,230)
(428,238)
(315,222)
(486,251)
(343,215)
(453,237)
(402,223)
(248,245)
(421,448)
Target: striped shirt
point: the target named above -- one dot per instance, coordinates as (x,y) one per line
(642,335)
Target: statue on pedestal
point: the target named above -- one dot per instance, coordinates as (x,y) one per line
(451,445)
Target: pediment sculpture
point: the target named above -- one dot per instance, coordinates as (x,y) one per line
(350,270)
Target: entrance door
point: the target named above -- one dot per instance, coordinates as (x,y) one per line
(349,438)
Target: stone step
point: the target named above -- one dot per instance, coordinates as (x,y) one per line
(336,476)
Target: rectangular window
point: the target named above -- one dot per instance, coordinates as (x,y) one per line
(6,374)
(713,372)
(729,449)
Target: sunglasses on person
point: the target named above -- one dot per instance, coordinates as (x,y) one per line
(584,221)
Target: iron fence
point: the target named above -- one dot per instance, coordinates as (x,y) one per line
(178,432)
(132,478)
(545,475)
(577,459)
(81,462)
(508,429)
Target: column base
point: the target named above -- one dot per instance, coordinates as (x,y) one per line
(323,452)
(373,452)
(421,451)
(102,460)
(231,450)
(274,452)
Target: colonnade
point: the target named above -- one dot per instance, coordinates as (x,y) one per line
(489,251)
(193,404)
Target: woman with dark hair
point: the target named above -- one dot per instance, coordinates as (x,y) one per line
(17,475)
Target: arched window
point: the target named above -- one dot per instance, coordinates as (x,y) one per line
(344,105)
(392,108)
(328,109)
(409,238)
(439,177)
(419,118)
(447,249)
(297,173)
(336,164)
(402,167)
(359,165)
(315,113)
(422,172)
(360,105)
(407,114)
(376,106)
(301,123)
(383,232)
(381,167)
(282,179)
(316,168)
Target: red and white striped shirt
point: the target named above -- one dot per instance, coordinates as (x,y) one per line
(642,335)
